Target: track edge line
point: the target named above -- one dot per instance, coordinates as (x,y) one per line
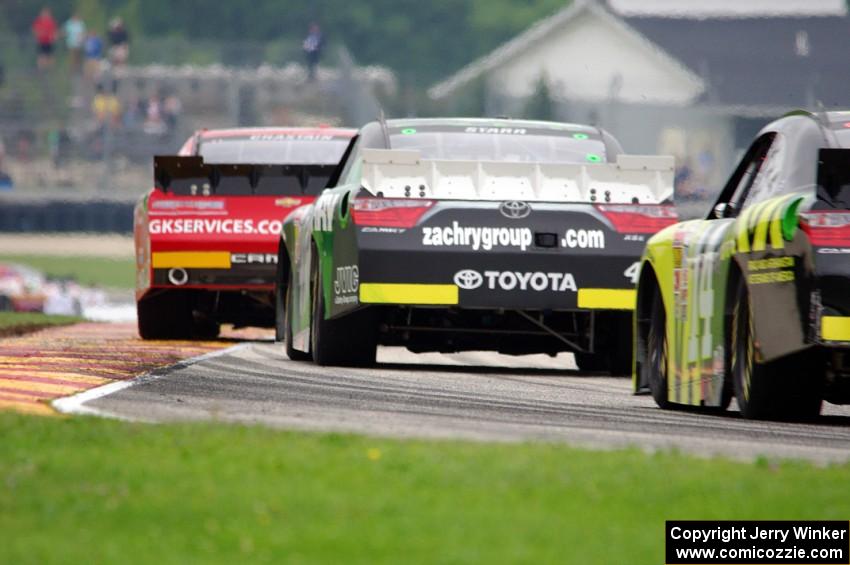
(75,404)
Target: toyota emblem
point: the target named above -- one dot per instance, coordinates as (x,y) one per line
(515,209)
(468,279)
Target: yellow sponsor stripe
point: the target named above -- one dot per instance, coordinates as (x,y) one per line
(753,217)
(776,239)
(835,328)
(607,298)
(766,212)
(191,259)
(384,293)
(744,230)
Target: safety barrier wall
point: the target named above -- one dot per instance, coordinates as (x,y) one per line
(64,216)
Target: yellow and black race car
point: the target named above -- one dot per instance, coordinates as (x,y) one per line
(754,300)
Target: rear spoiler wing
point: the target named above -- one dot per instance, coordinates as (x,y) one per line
(190,176)
(631,179)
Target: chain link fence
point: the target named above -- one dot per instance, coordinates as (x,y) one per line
(88,134)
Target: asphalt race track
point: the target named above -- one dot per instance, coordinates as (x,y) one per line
(470,396)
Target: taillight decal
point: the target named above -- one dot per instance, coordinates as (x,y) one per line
(638,218)
(389,212)
(826,228)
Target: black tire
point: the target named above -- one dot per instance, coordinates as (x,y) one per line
(349,341)
(786,389)
(204,327)
(5,303)
(620,346)
(594,362)
(291,352)
(613,344)
(654,367)
(615,360)
(165,316)
(280,312)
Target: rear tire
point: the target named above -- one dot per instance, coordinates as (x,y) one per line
(620,347)
(654,367)
(594,362)
(613,338)
(787,388)
(165,316)
(349,341)
(5,303)
(204,327)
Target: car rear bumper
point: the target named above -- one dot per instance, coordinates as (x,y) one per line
(524,280)
(213,269)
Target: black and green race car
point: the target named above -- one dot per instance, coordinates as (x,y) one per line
(472,234)
(753,302)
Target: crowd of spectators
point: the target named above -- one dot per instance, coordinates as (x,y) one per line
(156,115)
(695,176)
(114,119)
(85,47)
(93,59)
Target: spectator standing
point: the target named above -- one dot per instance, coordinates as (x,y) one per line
(313,44)
(154,123)
(106,107)
(119,42)
(93,53)
(75,35)
(44,29)
(172,108)
(133,113)
(683,179)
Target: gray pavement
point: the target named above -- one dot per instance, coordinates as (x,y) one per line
(473,396)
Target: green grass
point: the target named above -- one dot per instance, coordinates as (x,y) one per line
(85,490)
(103,271)
(21,322)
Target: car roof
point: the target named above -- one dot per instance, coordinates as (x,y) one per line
(836,119)
(819,124)
(242,132)
(491,122)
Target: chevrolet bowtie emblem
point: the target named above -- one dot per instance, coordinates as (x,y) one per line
(287,202)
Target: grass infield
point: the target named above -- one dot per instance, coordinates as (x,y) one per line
(16,323)
(103,271)
(83,490)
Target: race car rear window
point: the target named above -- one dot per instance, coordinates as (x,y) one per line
(274,149)
(513,144)
(834,178)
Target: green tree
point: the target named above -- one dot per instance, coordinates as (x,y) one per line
(423,40)
(93,14)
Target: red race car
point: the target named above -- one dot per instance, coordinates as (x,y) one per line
(21,289)
(207,234)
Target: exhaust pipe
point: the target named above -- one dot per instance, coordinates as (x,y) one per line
(178,276)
